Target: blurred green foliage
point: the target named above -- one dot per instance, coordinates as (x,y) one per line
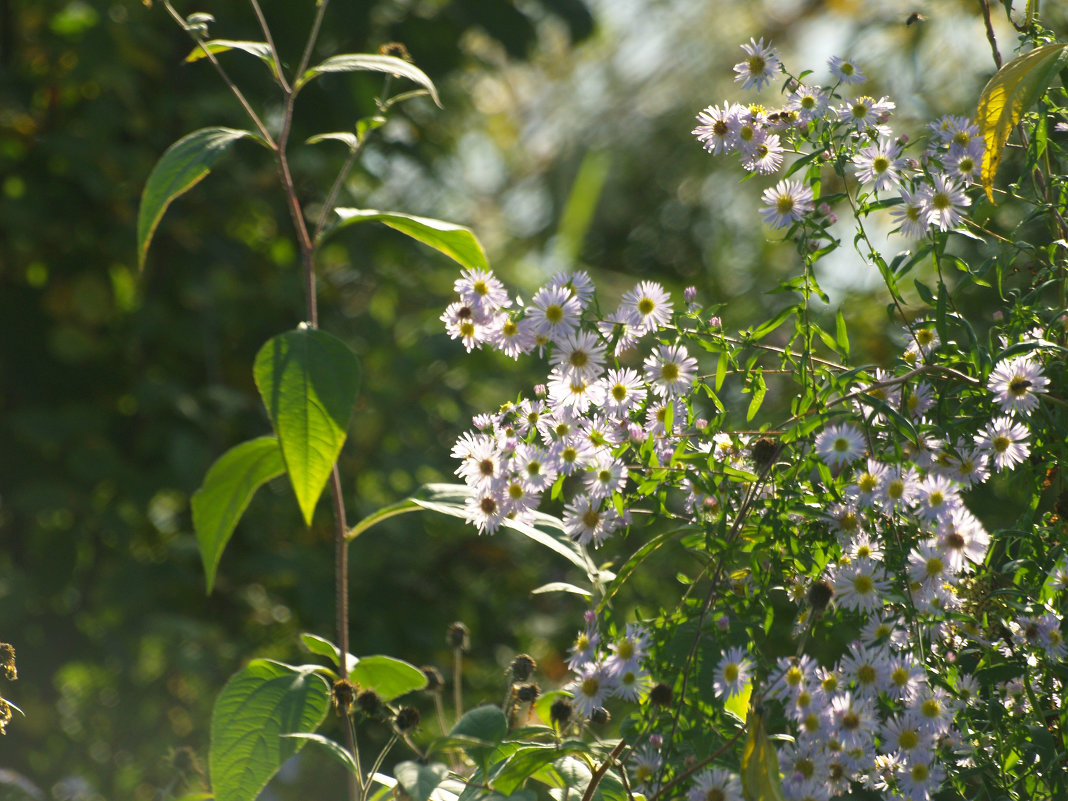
(118,390)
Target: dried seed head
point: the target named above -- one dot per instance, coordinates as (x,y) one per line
(522,667)
(343,694)
(600,716)
(434,680)
(7,660)
(527,693)
(820,594)
(560,712)
(458,636)
(407,719)
(369,702)
(661,694)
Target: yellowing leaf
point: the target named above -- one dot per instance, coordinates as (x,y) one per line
(760,762)
(737,705)
(1015,88)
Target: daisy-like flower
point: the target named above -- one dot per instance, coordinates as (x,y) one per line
(840,444)
(485,509)
(670,370)
(845,70)
(617,330)
(790,676)
(580,355)
(869,480)
(899,489)
(787,202)
(919,779)
(936,498)
(866,668)
(732,673)
(1016,384)
(584,649)
(716,130)
(954,130)
(468,324)
(624,391)
(647,307)
(862,546)
(571,454)
(481,290)
(906,736)
(942,203)
(934,707)
(531,463)
(917,399)
(905,676)
(1005,441)
(852,720)
(629,649)
(808,102)
(963,163)
(909,216)
(759,66)
(766,156)
(578,284)
(860,585)
(554,312)
(715,784)
(963,539)
(879,164)
(748,133)
(642,767)
(585,521)
(656,417)
(573,391)
(483,462)
(512,337)
(591,688)
(633,683)
(867,114)
(605,476)
(928,566)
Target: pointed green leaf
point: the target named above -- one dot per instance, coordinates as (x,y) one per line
(841,334)
(314,644)
(419,781)
(1015,88)
(483,723)
(360,62)
(389,677)
(308,381)
(260,703)
(225,494)
(184,164)
(761,780)
(561,586)
(455,241)
(759,391)
(260,50)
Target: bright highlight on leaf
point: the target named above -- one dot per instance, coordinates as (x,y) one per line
(308,381)
(1015,88)
(371,62)
(185,164)
(455,241)
(760,762)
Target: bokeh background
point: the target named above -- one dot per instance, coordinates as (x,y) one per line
(564,143)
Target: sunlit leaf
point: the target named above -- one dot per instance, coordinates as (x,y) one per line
(260,703)
(260,50)
(335,749)
(389,677)
(418,780)
(362,62)
(225,494)
(455,241)
(184,164)
(1015,88)
(308,381)
(761,780)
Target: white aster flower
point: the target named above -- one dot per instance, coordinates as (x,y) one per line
(787,202)
(555,312)
(845,70)
(481,289)
(732,673)
(670,370)
(715,784)
(647,307)
(839,444)
(580,355)
(759,66)
(1016,384)
(909,216)
(1005,441)
(943,202)
(879,164)
(624,391)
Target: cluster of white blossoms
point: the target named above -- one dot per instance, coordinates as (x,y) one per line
(820,121)
(613,672)
(586,417)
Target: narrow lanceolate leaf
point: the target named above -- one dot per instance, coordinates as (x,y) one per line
(364,62)
(308,381)
(257,706)
(184,164)
(455,241)
(225,494)
(761,780)
(1015,88)
(260,50)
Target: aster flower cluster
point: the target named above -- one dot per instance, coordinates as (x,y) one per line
(608,670)
(587,418)
(850,132)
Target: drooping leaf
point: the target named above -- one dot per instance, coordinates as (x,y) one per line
(225,494)
(335,749)
(529,759)
(259,703)
(760,762)
(1016,87)
(561,586)
(308,381)
(389,677)
(260,50)
(418,780)
(455,241)
(184,164)
(363,62)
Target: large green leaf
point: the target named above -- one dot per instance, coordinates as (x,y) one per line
(308,381)
(257,706)
(372,62)
(419,781)
(483,724)
(1015,88)
(389,677)
(225,494)
(761,780)
(455,241)
(184,164)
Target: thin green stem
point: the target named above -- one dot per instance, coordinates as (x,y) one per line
(457,681)
(378,763)
(356,786)
(270,44)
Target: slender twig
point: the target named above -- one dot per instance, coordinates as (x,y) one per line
(341,570)
(697,766)
(457,680)
(602,769)
(270,43)
(984,6)
(313,37)
(196,37)
(356,786)
(378,763)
